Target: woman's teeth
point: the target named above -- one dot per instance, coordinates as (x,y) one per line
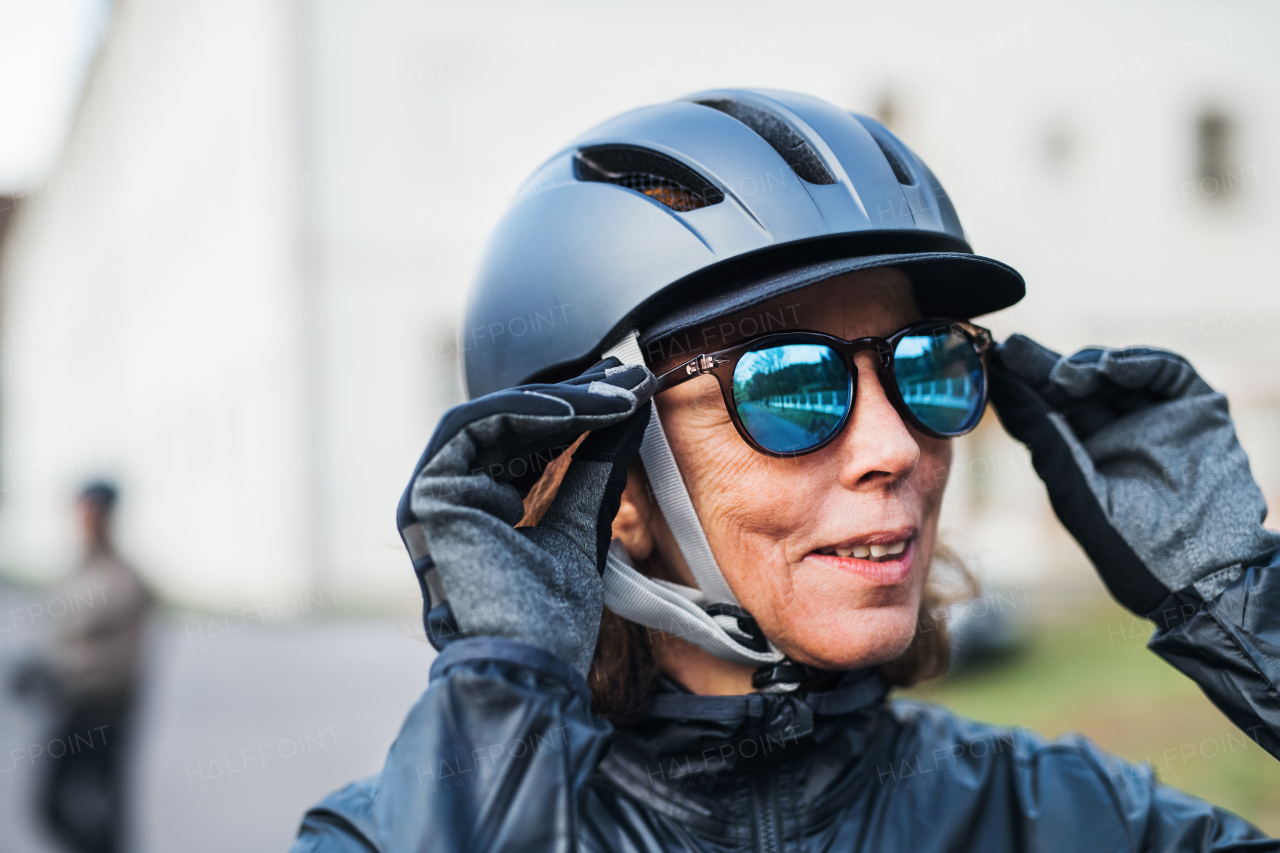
(866,552)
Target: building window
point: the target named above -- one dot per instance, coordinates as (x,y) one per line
(1058,145)
(1215,141)
(887,111)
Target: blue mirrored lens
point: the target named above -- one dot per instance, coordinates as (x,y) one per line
(791,397)
(940,377)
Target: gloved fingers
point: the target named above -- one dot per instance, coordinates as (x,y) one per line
(1032,367)
(1165,375)
(1158,375)
(476,491)
(1025,359)
(1095,387)
(511,435)
(1021,409)
(1056,451)
(591,491)
(635,379)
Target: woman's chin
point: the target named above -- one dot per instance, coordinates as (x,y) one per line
(866,637)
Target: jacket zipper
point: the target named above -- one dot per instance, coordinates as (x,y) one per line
(766,821)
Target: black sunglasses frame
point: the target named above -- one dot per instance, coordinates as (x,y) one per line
(723,363)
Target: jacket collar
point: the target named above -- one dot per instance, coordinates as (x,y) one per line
(686,752)
(726,733)
(794,714)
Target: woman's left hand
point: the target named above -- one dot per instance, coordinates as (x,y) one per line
(1142,465)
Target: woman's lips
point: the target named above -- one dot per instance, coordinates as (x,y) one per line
(884,572)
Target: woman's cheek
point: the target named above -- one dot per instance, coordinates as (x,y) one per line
(731,485)
(728,481)
(748,512)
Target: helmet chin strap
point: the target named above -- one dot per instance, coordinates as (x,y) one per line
(710,617)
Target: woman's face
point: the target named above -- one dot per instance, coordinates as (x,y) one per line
(779,527)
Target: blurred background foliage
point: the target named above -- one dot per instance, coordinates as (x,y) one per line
(1086,670)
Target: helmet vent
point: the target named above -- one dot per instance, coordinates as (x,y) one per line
(784,139)
(895,162)
(656,175)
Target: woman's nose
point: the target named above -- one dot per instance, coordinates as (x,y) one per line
(876,448)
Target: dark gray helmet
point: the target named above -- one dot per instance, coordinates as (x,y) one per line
(669,215)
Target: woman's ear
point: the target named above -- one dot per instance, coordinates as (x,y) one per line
(635,512)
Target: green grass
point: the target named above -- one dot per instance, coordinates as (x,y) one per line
(1095,676)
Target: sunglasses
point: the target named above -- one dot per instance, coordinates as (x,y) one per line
(791,393)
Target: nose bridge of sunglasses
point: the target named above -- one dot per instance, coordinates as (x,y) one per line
(881,353)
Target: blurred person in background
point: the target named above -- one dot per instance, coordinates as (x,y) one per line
(678,633)
(90,672)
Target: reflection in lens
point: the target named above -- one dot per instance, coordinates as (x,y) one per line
(791,397)
(940,377)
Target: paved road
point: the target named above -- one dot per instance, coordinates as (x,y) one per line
(241,728)
(773,430)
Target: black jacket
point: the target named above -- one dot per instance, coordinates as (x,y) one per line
(502,753)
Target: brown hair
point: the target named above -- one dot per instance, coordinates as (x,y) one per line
(625,668)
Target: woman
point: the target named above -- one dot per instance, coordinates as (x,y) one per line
(787,283)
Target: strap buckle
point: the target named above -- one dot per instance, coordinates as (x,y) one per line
(786,672)
(753,638)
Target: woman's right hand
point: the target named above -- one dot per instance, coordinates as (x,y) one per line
(1141,461)
(540,585)
(1142,465)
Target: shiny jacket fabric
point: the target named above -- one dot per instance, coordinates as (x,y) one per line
(502,753)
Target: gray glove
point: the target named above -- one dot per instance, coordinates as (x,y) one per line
(1141,463)
(541,585)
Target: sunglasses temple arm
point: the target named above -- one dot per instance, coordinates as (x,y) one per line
(671,379)
(696,366)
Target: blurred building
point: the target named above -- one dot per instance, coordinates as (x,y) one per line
(238,292)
